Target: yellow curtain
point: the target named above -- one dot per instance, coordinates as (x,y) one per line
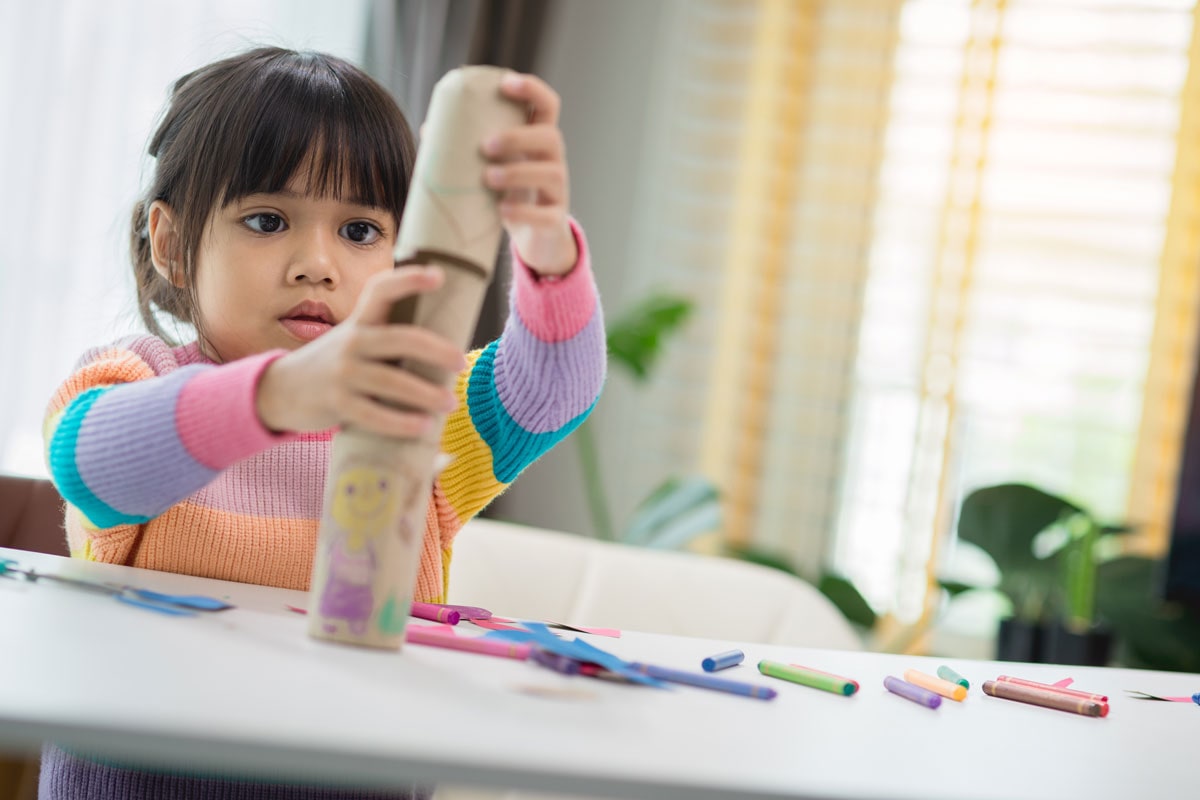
(1173,360)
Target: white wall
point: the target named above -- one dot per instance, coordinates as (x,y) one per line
(603,58)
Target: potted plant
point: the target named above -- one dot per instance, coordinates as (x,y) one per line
(1004,521)
(1073,597)
(636,340)
(1074,635)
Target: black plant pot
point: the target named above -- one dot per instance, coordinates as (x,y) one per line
(1019,640)
(1091,648)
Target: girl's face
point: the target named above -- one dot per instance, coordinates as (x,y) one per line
(278,270)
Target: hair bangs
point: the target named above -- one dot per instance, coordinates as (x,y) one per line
(323,123)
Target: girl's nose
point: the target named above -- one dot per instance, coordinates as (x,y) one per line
(314,260)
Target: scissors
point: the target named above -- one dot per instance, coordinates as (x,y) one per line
(177,605)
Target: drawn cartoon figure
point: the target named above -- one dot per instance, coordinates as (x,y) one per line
(361,507)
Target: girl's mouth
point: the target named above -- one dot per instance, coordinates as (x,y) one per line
(308,320)
(305,328)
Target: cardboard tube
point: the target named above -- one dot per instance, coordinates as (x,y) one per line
(377,493)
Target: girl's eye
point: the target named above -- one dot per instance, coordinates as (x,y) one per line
(360,232)
(264,223)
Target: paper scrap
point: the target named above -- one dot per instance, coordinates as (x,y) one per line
(493,625)
(1136,695)
(611,632)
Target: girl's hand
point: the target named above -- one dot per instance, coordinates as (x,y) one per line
(345,378)
(529,167)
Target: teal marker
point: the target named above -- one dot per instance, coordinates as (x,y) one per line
(947,674)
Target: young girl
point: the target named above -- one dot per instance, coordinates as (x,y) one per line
(279,183)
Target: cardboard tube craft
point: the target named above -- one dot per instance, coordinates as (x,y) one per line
(377,492)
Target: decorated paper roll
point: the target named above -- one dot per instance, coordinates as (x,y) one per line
(378,488)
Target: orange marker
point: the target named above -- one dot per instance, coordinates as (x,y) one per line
(945,688)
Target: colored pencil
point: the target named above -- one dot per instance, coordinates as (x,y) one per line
(942,687)
(554,661)
(910,691)
(1040,697)
(703,681)
(730,658)
(947,674)
(467,612)
(487,647)
(435,612)
(852,682)
(808,677)
(1049,687)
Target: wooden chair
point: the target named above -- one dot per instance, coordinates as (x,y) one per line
(31,518)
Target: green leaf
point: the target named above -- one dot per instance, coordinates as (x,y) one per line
(678,510)
(955,588)
(764,558)
(847,598)
(840,591)
(683,528)
(1003,520)
(636,338)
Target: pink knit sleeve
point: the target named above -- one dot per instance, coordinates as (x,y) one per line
(555,309)
(216,413)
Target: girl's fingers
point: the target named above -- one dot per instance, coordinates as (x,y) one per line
(532,142)
(547,178)
(395,386)
(375,417)
(543,101)
(394,342)
(387,288)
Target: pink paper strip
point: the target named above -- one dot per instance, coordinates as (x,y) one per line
(492,625)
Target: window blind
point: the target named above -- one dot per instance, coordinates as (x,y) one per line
(934,244)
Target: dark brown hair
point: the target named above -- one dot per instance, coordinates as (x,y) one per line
(246,125)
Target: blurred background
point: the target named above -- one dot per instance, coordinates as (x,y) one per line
(861,259)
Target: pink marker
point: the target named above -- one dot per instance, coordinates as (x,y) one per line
(487,647)
(435,612)
(469,612)
(1051,687)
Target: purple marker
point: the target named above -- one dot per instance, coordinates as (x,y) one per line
(730,658)
(912,692)
(554,661)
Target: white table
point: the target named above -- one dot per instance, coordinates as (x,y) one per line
(247,691)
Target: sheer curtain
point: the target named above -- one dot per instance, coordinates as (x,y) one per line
(81,85)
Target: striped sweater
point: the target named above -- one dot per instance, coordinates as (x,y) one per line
(165,465)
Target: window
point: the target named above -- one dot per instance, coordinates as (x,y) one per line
(936,244)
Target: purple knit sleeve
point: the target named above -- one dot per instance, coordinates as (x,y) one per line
(131,433)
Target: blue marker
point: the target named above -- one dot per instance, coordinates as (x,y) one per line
(1196,698)
(730,658)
